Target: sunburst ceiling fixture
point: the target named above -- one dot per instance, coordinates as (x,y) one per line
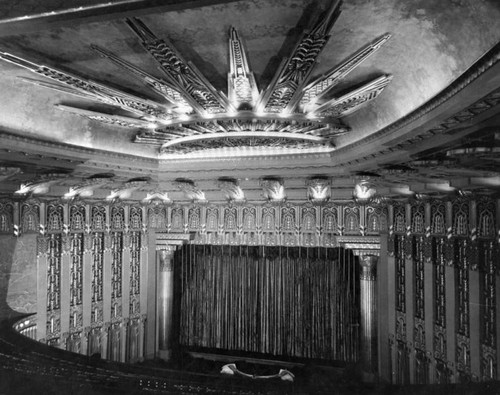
(292,113)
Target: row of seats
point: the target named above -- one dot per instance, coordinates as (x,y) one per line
(24,361)
(30,367)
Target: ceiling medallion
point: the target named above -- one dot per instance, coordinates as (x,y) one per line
(293,113)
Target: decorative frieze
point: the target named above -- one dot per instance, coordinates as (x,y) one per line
(6,217)
(30,217)
(269,224)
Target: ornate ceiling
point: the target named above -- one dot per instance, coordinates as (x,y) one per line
(249,100)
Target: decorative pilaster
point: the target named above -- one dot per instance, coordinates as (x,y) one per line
(475,321)
(107,277)
(104,340)
(451,309)
(165,300)
(142,332)
(42,290)
(126,274)
(368,285)
(85,340)
(87,282)
(124,328)
(391,303)
(65,284)
(64,341)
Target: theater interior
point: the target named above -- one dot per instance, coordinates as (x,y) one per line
(249,196)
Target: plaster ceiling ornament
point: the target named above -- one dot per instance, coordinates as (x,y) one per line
(364,192)
(319,190)
(188,187)
(8,171)
(41,185)
(231,189)
(273,189)
(125,192)
(87,187)
(294,113)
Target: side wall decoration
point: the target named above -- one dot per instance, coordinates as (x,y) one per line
(443,324)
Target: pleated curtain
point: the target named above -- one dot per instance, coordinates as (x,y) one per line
(281,301)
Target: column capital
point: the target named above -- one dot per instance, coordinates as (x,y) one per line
(166,249)
(166,254)
(368,265)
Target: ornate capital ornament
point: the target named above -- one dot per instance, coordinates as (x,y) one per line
(190,190)
(273,189)
(364,192)
(231,189)
(368,267)
(319,190)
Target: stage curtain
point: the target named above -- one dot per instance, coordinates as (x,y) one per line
(282,301)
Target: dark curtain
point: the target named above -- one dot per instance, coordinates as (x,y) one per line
(286,301)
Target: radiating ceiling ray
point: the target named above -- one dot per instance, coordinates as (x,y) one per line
(323,84)
(126,122)
(353,100)
(184,75)
(93,90)
(161,87)
(57,87)
(242,88)
(285,90)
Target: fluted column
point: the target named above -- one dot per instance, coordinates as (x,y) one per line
(368,291)
(165,300)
